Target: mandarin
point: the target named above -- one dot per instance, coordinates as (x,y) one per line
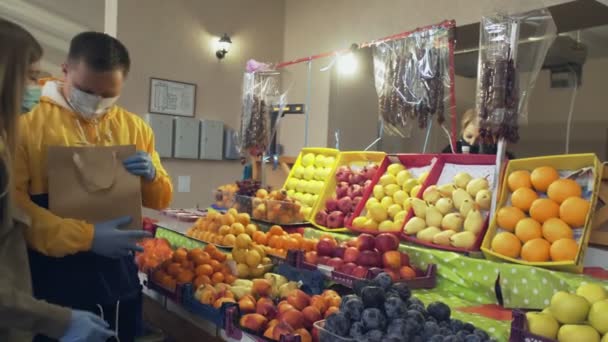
(574,211)
(216,265)
(522,198)
(237,229)
(228,240)
(201,280)
(224,230)
(276,230)
(205,269)
(564,250)
(185,276)
(543,209)
(506,244)
(536,250)
(259,237)
(519,179)
(528,229)
(174,269)
(555,229)
(562,189)
(507,217)
(217,277)
(542,177)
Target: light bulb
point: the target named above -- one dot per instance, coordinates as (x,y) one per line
(347,63)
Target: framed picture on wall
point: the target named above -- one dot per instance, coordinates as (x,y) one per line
(172,97)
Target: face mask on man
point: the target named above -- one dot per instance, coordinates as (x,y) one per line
(31,96)
(88,105)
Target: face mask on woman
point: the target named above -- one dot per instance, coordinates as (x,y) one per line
(31,96)
(88,105)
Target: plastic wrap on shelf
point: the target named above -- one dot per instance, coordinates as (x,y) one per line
(414,78)
(507,69)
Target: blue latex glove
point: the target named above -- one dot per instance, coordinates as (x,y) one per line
(141,164)
(112,242)
(86,327)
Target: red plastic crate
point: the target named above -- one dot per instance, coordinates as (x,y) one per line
(519,330)
(409,161)
(463,159)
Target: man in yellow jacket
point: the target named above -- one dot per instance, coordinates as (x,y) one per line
(75,263)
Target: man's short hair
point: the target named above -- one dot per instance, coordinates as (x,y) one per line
(99,51)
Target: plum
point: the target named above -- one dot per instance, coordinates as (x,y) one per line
(416,316)
(403,290)
(482,334)
(374,335)
(393,338)
(456,325)
(444,331)
(373,318)
(413,301)
(469,327)
(383,280)
(418,308)
(357,330)
(397,327)
(352,308)
(472,338)
(360,284)
(430,329)
(453,338)
(373,297)
(462,334)
(394,307)
(338,323)
(439,311)
(436,338)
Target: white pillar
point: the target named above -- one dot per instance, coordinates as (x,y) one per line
(111,17)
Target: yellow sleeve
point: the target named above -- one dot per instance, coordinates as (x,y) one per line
(48,234)
(158,193)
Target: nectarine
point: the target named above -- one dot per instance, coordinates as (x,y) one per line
(266,307)
(298,299)
(311,314)
(319,302)
(392,260)
(254,322)
(294,318)
(261,288)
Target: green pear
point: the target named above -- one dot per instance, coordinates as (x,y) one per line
(414,225)
(542,324)
(452,221)
(464,240)
(428,234)
(598,316)
(592,292)
(569,308)
(459,195)
(433,216)
(420,207)
(431,194)
(547,311)
(447,189)
(462,179)
(445,205)
(577,333)
(466,206)
(443,238)
(474,221)
(476,185)
(605,338)
(484,199)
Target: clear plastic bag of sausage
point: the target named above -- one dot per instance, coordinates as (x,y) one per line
(413,79)
(262,94)
(512,49)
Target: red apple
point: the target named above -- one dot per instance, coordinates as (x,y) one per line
(374,271)
(356,179)
(351,254)
(321,218)
(348,268)
(335,262)
(342,190)
(386,242)
(331,205)
(345,204)
(360,272)
(343,174)
(311,257)
(365,242)
(369,259)
(322,260)
(325,246)
(355,190)
(339,252)
(335,220)
(405,259)
(391,260)
(356,201)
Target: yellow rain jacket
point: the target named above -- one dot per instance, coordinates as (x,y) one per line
(52,123)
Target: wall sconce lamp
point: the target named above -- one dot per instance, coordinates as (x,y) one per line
(223,46)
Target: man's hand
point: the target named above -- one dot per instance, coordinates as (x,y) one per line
(112,242)
(141,164)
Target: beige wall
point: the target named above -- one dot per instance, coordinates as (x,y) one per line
(172,40)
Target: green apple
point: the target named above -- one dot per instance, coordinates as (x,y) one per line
(400,196)
(387,202)
(387,179)
(423,177)
(393,210)
(378,212)
(391,189)
(378,192)
(387,226)
(577,333)
(605,338)
(542,324)
(569,308)
(319,160)
(395,168)
(592,292)
(370,225)
(403,176)
(308,159)
(328,162)
(370,202)
(400,216)
(598,316)
(415,190)
(359,222)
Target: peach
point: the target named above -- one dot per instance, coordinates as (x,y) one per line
(304,335)
(284,307)
(328,293)
(311,314)
(218,303)
(298,299)
(261,288)
(269,332)
(294,318)
(392,260)
(319,302)
(407,273)
(394,274)
(266,307)
(331,310)
(247,304)
(281,329)
(254,322)
(311,257)
(273,323)
(333,300)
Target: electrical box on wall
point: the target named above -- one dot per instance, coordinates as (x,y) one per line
(187,132)
(231,151)
(211,140)
(162,126)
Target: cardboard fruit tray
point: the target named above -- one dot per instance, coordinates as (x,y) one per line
(447,165)
(415,163)
(353,159)
(571,162)
(519,330)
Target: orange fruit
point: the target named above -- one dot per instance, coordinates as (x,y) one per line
(219,256)
(562,189)
(507,217)
(210,248)
(273,241)
(522,198)
(180,255)
(201,280)
(555,229)
(564,250)
(519,179)
(291,243)
(259,237)
(185,276)
(224,230)
(543,209)
(215,265)
(536,250)
(217,277)
(542,177)
(206,270)
(276,230)
(229,278)
(174,269)
(528,229)
(228,240)
(574,211)
(506,244)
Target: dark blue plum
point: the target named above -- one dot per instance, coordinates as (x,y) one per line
(416,315)
(357,330)
(403,290)
(472,338)
(414,301)
(373,297)
(338,323)
(358,285)
(439,311)
(462,334)
(445,331)
(436,338)
(456,325)
(469,327)
(392,338)
(373,318)
(394,308)
(397,327)
(482,334)
(418,308)
(383,280)
(352,308)
(374,335)
(453,338)
(430,329)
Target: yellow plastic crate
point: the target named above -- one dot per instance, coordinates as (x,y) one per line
(344,158)
(328,152)
(560,162)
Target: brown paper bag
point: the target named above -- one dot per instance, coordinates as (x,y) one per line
(91,184)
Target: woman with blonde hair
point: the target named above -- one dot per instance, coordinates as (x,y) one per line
(21,315)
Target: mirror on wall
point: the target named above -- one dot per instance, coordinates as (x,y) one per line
(574,75)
